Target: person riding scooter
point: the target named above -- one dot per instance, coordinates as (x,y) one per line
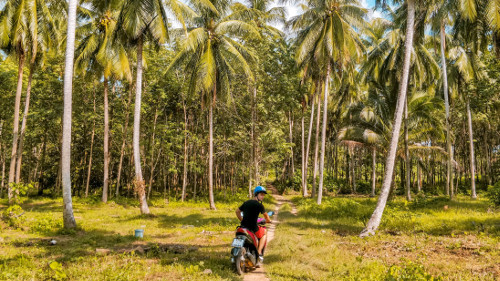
(251,210)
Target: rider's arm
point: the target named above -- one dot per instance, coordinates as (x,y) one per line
(238,214)
(266,216)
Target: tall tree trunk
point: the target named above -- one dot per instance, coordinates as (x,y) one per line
(2,158)
(323,135)
(68,218)
(309,133)
(2,185)
(140,187)
(24,122)
(15,133)
(353,171)
(304,186)
(254,137)
(184,176)
(449,172)
(211,152)
(374,167)
(124,140)
(292,171)
(316,148)
(106,142)
(407,154)
(419,177)
(152,166)
(376,217)
(471,143)
(89,169)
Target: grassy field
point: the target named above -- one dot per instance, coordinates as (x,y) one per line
(182,241)
(429,239)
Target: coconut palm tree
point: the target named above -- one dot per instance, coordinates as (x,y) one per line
(469,32)
(212,55)
(68,218)
(376,217)
(466,68)
(328,36)
(44,33)
(442,13)
(261,14)
(99,53)
(18,31)
(145,21)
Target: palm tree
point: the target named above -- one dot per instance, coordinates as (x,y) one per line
(262,15)
(145,21)
(376,217)
(99,52)
(16,23)
(470,35)
(212,55)
(68,218)
(44,34)
(441,11)
(328,36)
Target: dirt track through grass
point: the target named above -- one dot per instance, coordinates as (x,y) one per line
(260,273)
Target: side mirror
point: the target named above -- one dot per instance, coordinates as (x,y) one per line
(270,213)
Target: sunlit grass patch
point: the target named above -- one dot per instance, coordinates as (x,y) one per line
(182,241)
(322,242)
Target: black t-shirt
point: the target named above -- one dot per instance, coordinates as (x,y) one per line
(251,210)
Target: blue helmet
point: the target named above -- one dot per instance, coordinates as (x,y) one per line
(258,190)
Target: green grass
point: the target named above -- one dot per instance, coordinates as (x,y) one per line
(421,240)
(182,241)
(427,238)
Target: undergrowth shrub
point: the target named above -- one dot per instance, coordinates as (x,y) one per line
(494,193)
(46,224)
(13,216)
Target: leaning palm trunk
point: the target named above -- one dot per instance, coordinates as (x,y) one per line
(472,164)
(139,185)
(24,122)
(106,143)
(323,136)
(449,172)
(376,217)
(68,218)
(15,133)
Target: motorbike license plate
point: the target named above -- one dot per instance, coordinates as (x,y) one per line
(238,242)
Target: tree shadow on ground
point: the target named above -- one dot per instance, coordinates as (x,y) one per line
(83,245)
(195,220)
(45,207)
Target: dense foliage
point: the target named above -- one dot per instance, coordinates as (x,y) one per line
(262,84)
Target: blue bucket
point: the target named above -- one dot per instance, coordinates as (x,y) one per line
(139,233)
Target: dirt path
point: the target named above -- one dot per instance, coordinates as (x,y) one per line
(260,273)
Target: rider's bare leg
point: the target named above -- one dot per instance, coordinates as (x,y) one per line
(262,242)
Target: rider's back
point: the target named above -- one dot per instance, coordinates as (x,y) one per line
(251,210)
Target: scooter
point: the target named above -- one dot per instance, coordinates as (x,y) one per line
(244,254)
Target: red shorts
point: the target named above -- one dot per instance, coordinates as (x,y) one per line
(260,232)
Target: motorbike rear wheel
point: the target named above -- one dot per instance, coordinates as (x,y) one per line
(240,262)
